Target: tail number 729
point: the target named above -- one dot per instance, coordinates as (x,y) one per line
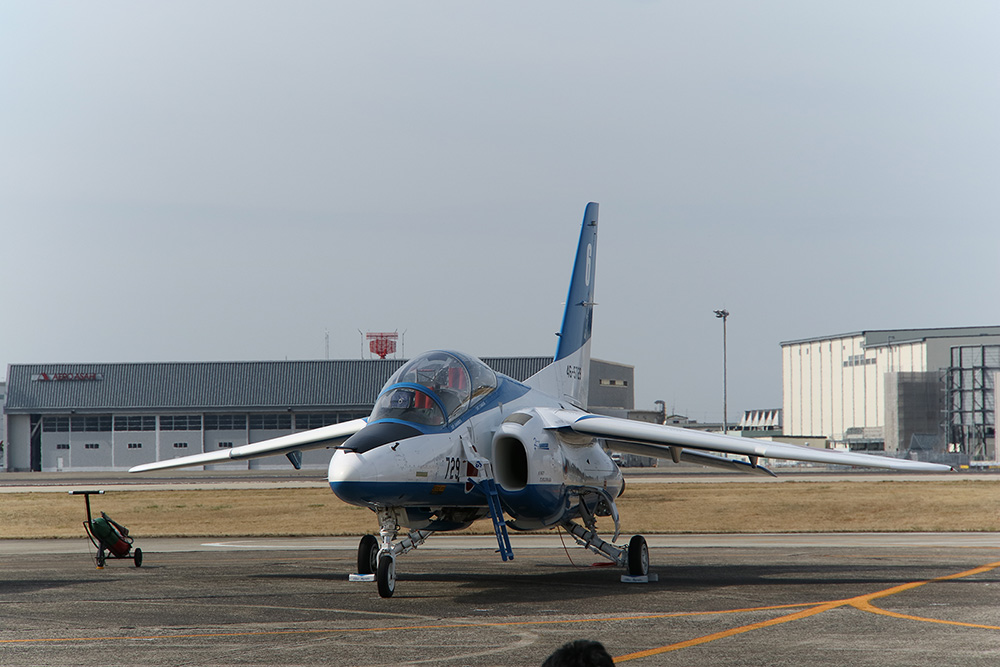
(454,467)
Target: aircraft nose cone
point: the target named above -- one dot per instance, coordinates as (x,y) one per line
(351,467)
(352,477)
(354,473)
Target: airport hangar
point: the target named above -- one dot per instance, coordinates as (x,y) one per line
(927,394)
(112,416)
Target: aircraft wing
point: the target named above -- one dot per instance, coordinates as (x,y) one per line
(688,456)
(317,438)
(671,442)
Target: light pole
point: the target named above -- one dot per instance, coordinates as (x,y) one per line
(724,314)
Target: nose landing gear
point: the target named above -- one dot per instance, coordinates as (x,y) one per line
(377,558)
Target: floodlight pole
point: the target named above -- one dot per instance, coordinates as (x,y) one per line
(724,314)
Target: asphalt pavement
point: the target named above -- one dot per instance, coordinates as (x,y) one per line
(897,599)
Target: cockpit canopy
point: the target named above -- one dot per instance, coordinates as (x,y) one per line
(434,389)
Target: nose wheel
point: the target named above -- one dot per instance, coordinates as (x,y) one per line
(386,575)
(368,555)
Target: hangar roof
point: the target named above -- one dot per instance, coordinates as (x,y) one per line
(215,386)
(876,337)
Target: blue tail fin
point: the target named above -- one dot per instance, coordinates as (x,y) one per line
(578,318)
(567,377)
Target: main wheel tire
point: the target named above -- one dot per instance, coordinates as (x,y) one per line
(638,556)
(137,557)
(386,576)
(368,555)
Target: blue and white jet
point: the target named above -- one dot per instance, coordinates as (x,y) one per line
(451,442)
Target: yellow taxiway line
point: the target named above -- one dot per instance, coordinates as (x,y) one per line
(861,602)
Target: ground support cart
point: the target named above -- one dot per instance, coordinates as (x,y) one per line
(110,538)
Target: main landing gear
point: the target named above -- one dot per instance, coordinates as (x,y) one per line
(638,557)
(634,557)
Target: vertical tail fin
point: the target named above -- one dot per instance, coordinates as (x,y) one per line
(567,377)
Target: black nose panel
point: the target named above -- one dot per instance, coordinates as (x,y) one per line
(377,434)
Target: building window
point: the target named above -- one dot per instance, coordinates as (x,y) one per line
(180,445)
(307,421)
(135,423)
(614,383)
(90,424)
(225,422)
(180,423)
(62,445)
(272,422)
(92,445)
(55,425)
(858,360)
(135,445)
(225,445)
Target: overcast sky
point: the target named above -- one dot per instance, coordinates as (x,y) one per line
(187,181)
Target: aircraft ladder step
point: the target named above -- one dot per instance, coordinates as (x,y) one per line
(496,513)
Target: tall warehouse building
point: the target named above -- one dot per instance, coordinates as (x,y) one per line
(922,393)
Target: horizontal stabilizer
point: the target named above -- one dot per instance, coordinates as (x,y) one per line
(317,438)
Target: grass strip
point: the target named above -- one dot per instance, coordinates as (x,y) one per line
(878,506)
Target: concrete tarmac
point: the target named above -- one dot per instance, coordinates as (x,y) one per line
(896,599)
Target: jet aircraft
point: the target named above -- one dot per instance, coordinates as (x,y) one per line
(450,442)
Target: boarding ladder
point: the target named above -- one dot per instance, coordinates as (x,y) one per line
(479,473)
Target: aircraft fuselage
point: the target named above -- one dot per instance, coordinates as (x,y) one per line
(423,469)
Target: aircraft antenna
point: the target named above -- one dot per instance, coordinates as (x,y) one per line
(382,343)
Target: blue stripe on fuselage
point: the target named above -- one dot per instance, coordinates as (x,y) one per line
(536,502)
(408,494)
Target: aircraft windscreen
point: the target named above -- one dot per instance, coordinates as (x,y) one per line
(456,380)
(408,404)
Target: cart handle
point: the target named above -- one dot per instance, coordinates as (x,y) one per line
(86,498)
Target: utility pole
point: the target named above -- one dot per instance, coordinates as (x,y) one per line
(724,314)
